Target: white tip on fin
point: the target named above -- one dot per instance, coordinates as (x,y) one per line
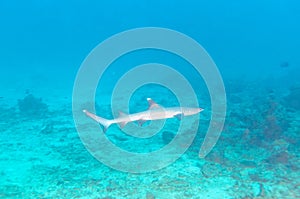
(152,104)
(104,122)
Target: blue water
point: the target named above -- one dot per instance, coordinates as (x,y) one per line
(255,46)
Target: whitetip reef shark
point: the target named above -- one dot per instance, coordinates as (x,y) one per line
(154,112)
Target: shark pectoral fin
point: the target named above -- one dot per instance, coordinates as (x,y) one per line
(122,124)
(152,104)
(141,122)
(104,129)
(179,116)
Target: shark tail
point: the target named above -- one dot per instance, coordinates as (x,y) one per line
(105,123)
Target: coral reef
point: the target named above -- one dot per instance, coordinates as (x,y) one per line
(257,156)
(292,99)
(266,116)
(32,107)
(167,137)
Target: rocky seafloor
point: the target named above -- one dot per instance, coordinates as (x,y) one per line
(257,155)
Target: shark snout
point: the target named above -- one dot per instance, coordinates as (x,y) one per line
(191,111)
(196,110)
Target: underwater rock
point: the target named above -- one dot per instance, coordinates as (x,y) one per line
(8,114)
(272,130)
(216,157)
(32,107)
(279,158)
(47,129)
(167,137)
(193,170)
(280,145)
(210,170)
(275,121)
(266,120)
(10,191)
(150,195)
(248,164)
(257,177)
(293,99)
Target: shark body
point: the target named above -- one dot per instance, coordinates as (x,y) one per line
(154,112)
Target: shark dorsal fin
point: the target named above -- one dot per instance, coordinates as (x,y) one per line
(122,124)
(152,104)
(121,114)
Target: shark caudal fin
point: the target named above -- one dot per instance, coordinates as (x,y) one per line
(104,122)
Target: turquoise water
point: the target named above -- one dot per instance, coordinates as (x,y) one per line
(44,138)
